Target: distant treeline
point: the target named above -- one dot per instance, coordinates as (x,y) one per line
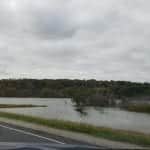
(82,91)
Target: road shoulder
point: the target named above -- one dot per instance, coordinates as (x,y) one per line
(72,135)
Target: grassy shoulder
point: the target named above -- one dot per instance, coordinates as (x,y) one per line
(144,108)
(102,132)
(19,105)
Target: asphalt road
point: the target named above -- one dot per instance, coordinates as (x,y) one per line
(16,134)
(13,133)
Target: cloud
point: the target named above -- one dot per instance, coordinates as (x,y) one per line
(106,40)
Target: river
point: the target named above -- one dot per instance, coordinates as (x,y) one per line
(65,109)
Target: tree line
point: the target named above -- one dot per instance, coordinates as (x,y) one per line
(81,91)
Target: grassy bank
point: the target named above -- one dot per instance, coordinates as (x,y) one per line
(102,132)
(19,105)
(144,108)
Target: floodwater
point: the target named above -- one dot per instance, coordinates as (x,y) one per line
(65,109)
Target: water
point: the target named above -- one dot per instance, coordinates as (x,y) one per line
(65,109)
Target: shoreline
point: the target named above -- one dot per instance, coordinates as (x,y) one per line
(20,106)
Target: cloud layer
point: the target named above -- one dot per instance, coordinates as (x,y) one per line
(105,40)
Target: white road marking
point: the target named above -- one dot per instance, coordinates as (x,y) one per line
(32,134)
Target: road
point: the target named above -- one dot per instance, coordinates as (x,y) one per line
(13,133)
(16,134)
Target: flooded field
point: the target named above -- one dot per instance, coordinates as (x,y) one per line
(65,109)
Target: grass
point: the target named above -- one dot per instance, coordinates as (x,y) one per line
(19,105)
(101,132)
(144,108)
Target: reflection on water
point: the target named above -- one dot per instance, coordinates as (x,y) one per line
(65,109)
(99,109)
(81,110)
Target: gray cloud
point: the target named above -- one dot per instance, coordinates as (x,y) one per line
(106,39)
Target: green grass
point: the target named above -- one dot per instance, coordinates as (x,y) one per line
(101,132)
(144,108)
(19,105)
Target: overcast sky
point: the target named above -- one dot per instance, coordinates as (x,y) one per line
(100,39)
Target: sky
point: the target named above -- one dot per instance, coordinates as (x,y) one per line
(75,39)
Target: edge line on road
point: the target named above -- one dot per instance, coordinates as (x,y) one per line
(32,134)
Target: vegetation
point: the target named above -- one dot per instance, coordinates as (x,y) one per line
(87,92)
(19,105)
(138,108)
(102,132)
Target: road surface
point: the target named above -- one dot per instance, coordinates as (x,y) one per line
(13,133)
(16,134)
